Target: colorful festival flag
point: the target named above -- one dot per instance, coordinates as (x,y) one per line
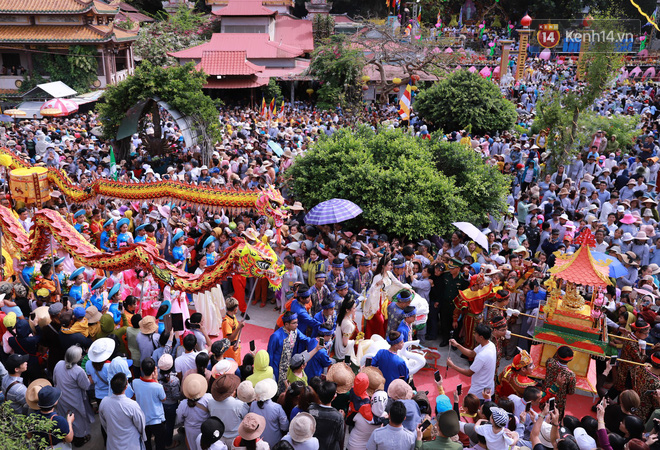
(405,103)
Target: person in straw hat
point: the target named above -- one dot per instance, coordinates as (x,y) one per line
(193,412)
(301,431)
(342,375)
(249,433)
(275,418)
(226,407)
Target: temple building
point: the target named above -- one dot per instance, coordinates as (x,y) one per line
(30,27)
(256,43)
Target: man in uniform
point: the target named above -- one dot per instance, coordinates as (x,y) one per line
(451,283)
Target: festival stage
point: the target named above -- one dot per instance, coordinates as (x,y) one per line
(577,405)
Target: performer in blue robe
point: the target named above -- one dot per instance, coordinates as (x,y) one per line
(284,343)
(390,364)
(80,288)
(106,235)
(80,220)
(141,234)
(124,237)
(115,301)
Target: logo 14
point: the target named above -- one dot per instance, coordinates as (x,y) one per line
(548,35)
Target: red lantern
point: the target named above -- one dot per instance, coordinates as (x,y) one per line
(415,77)
(587,21)
(365,88)
(396,89)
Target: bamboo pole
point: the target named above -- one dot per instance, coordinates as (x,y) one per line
(583,351)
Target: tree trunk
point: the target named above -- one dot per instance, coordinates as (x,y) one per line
(571,137)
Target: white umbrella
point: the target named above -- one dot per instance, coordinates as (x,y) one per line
(473,232)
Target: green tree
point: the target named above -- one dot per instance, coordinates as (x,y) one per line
(18,430)
(405,185)
(180,86)
(465,99)
(77,69)
(561,112)
(271,90)
(178,31)
(339,67)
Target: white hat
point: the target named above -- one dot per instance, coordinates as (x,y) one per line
(627,237)
(564,216)
(101,349)
(584,441)
(265,389)
(302,427)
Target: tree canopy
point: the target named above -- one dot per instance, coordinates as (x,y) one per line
(405,185)
(180,86)
(465,100)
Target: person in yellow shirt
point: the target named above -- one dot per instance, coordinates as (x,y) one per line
(231,329)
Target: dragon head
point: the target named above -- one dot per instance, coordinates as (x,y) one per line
(259,260)
(270,204)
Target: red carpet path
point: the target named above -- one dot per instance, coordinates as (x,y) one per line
(577,405)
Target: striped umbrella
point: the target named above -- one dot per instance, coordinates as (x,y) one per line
(58,107)
(332,211)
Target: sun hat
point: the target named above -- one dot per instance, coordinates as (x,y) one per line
(245,392)
(545,436)
(342,375)
(48,397)
(252,426)
(376,379)
(627,237)
(224,386)
(641,236)
(628,219)
(399,390)
(165,362)
(101,349)
(93,314)
(224,366)
(148,325)
(32,393)
(194,386)
(302,427)
(266,389)
(211,431)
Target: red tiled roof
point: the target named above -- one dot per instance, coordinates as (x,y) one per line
(53,33)
(581,268)
(236,83)
(245,8)
(45,6)
(295,32)
(127,7)
(134,17)
(227,63)
(103,8)
(256,45)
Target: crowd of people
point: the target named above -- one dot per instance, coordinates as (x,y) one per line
(80,345)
